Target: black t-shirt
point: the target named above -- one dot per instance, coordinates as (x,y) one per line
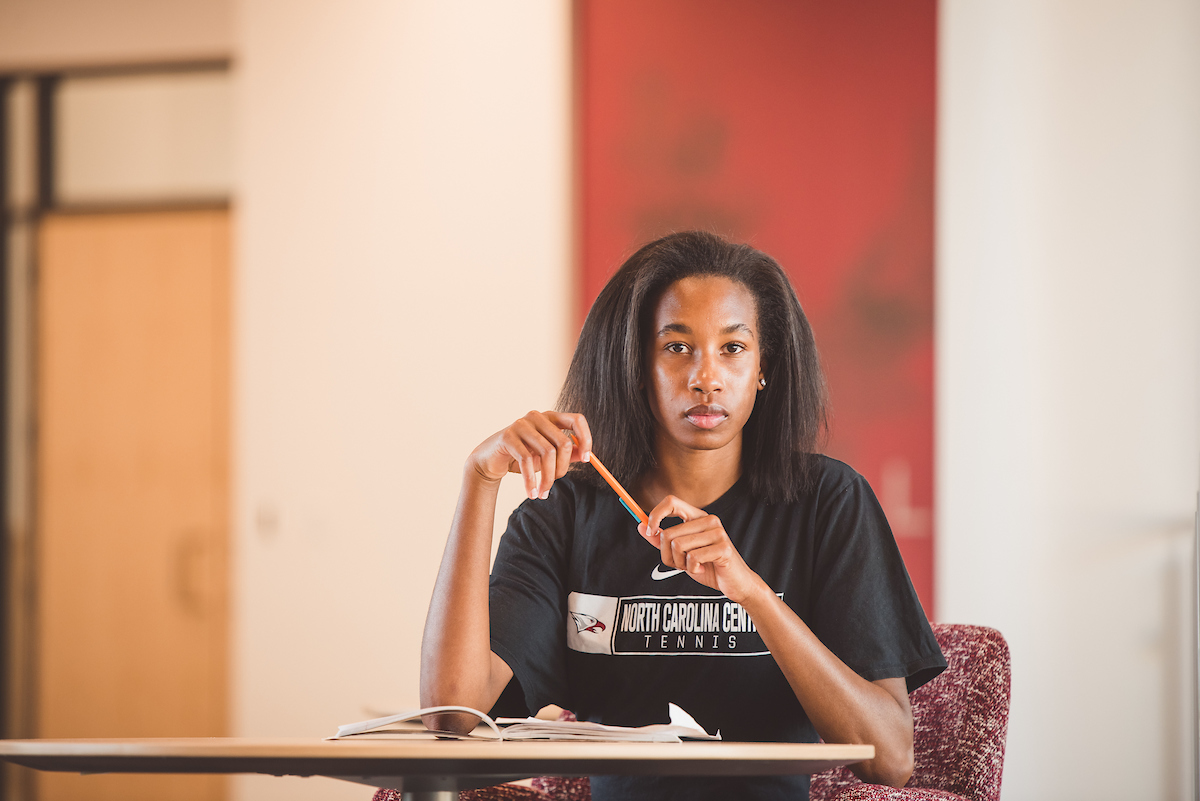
(588,618)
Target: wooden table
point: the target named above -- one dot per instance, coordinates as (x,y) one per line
(428,770)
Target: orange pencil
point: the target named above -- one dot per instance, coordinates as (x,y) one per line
(626,499)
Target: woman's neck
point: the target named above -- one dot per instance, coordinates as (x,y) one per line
(697,477)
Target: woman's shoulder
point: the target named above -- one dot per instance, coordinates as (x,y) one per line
(819,480)
(829,477)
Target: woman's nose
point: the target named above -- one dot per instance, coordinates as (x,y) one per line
(705,376)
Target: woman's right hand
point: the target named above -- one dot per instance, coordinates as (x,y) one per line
(534,444)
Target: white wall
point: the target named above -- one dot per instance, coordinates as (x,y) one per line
(1069,376)
(403,269)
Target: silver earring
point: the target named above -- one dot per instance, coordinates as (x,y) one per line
(762,383)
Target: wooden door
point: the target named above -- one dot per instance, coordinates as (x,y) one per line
(133,487)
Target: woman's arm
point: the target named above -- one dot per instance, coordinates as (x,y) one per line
(843,706)
(458,666)
(457,663)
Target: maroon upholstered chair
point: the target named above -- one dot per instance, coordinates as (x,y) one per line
(960,721)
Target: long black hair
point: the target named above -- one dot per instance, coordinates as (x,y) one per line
(608,369)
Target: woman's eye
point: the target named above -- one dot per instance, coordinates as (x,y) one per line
(677,347)
(735,347)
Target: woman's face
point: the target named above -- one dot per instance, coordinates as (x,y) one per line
(703,362)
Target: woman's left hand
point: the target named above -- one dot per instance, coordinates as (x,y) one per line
(700,546)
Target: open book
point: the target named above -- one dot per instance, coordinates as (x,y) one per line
(408,724)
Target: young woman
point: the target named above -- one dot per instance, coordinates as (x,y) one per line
(766,596)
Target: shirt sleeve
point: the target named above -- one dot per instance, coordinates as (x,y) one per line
(527,597)
(864,607)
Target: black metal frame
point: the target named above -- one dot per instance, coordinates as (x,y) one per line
(45,87)
(6,221)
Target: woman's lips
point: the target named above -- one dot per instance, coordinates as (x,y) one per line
(706,416)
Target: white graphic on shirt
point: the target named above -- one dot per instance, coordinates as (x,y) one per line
(590,623)
(659,573)
(587,623)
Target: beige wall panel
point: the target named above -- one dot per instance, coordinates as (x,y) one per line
(144,137)
(55,33)
(132,487)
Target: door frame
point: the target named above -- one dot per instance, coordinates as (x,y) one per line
(28,172)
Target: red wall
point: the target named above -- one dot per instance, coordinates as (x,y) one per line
(807,129)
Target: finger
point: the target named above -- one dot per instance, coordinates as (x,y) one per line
(716,555)
(669,506)
(578,426)
(682,548)
(525,432)
(541,444)
(672,506)
(525,462)
(551,430)
(696,526)
(686,543)
(666,553)
(670,555)
(584,432)
(542,438)
(649,534)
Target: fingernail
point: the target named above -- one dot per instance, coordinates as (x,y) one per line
(587,457)
(545,495)
(533,495)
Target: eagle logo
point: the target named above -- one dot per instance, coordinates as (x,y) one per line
(586,623)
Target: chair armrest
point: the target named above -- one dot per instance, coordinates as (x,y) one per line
(877,792)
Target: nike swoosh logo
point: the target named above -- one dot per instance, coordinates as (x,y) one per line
(658,574)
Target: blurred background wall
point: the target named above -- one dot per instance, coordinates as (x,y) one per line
(404,284)
(806,129)
(1068,337)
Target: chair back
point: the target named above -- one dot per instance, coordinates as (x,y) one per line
(960,720)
